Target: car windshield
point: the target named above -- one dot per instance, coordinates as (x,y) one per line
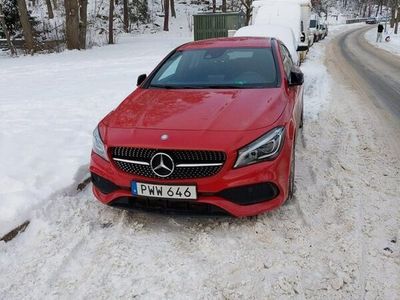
(218,68)
(313,23)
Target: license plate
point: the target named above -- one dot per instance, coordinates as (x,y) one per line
(164,191)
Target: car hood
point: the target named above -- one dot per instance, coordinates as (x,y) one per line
(211,110)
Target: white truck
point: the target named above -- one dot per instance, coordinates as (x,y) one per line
(305,15)
(294,14)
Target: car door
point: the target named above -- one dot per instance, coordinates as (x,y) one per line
(294,92)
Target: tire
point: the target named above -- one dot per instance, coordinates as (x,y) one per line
(302,118)
(291,187)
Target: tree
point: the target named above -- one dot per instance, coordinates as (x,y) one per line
(173,13)
(223,5)
(6,33)
(49,9)
(26,25)
(248,10)
(126,16)
(111,23)
(82,23)
(72,24)
(166,15)
(214,5)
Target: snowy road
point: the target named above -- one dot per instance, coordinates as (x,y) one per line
(338,239)
(377,70)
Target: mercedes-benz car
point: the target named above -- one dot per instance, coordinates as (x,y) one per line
(212,129)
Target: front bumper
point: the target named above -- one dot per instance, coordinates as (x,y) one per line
(241,192)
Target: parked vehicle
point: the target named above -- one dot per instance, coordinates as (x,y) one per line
(323,28)
(305,14)
(284,34)
(371,21)
(213,127)
(283,13)
(314,28)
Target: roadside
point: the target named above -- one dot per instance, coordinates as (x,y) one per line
(393,46)
(338,239)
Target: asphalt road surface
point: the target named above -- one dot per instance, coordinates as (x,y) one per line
(375,72)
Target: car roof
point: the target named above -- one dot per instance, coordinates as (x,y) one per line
(231,42)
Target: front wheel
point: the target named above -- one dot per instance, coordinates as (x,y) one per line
(291,187)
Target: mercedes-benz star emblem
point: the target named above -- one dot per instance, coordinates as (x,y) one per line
(162,164)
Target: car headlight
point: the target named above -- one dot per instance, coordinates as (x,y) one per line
(266,147)
(98,145)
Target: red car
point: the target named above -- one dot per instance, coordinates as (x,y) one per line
(211,129)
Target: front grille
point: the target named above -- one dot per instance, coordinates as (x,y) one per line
(201,163)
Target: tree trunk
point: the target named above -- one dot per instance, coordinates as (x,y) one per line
(214,4)
(223,5)
(173,13)
(111,23)
(365,10)
(55,4)
(396,24)
(82,23)
(126,16)
(5,30)
(26,25)
(49,9)
(166,15)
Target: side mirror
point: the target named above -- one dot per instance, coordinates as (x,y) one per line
(296,77)
(302,48)
(140,79)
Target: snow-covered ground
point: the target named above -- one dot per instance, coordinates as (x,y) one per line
(338,239)
(49,106)
(393,46)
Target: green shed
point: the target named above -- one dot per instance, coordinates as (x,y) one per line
(213,25)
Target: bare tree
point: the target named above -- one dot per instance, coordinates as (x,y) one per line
(126,16)
(72,24)
(49,9)
(166,15)
(26,25)
(5,30)
(223,5)
(248,10)
(173,13)
(111,23)
(82,23)
(214,5)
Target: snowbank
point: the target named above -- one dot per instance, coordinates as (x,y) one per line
(393,46)
(50,105)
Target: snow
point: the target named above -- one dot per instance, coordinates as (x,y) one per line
(50,106)
(286,14)
(393,46)
(285,34)
(329,242)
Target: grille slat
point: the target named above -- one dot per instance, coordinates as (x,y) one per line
(178,156)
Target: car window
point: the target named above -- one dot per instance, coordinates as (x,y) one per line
(287,60)
(170,68)
(218,68)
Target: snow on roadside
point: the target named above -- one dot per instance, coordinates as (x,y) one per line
(393,46)
(50,105)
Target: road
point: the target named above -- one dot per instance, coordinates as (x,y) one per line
(376,71)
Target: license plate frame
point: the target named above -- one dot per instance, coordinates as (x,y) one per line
(164,191)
